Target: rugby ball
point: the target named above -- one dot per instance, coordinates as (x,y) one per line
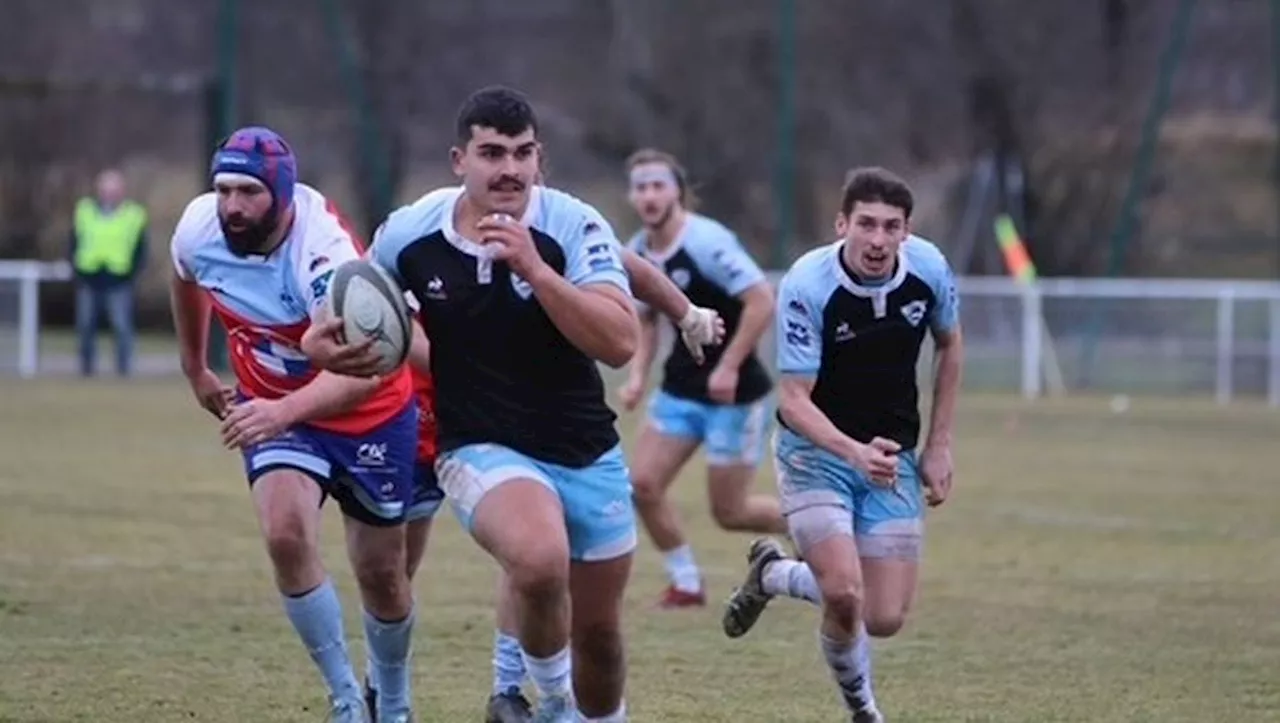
(372,306)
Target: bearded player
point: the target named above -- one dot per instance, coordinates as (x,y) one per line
(259,251)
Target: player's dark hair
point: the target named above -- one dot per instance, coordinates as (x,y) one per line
(503,109)
(645,156)
(876,185)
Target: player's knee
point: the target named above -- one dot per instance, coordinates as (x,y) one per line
(887,617)
(380,576)
(384,586)
(842,601)
(540,572)
(646,489)
(288,543)
(884,623)
(730,513)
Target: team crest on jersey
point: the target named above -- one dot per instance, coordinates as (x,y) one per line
(521,287)
(914,312)
(681,278)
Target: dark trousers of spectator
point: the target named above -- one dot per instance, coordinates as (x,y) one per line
(117,303)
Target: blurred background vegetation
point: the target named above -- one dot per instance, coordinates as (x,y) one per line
(1055,111)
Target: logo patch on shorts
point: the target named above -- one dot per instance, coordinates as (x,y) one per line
(373,454)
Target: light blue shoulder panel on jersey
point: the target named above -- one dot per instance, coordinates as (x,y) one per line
(719,255)
(408,224)
(591,250)
(926,261)
(803,295)
(266,294)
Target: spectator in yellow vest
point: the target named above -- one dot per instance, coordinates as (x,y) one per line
(108,248)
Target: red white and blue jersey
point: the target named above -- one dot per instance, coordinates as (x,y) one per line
(267,302)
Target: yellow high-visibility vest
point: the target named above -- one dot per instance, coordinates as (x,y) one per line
(107,241)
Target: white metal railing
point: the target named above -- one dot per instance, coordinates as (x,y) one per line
(1177,335)
(1225,294)
(28,275)
(1195,324)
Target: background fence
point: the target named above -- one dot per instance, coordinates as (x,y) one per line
(1168,337)
(1058,336)
(1126,137)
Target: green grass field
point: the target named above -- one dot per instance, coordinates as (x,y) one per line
(1090,567)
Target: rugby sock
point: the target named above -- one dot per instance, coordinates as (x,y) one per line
(618,716)
(790,578)
(550,675)
(317,616)
(390,644)
(682,569)
(862,650)
(508,663)
(851,669)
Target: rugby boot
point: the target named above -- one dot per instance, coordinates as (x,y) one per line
(509,706)
(868,714)
(556,709)
(747,602)
(348,711)
(673,598)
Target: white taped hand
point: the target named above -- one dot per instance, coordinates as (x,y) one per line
(700,327)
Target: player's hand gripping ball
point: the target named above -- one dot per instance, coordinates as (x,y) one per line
(373,309)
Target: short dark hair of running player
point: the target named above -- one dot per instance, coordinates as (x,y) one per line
(503,109)
(496,155)
(876,185)
(646,156)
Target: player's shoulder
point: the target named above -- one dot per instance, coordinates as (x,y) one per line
(814,274)
(705,238)
(324,234)
(199,222)
(925,260)
(553,205)
(706,230)
(420,218)
(809,282)
(320,215)
(566,218)
(310,203)
(201,211)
